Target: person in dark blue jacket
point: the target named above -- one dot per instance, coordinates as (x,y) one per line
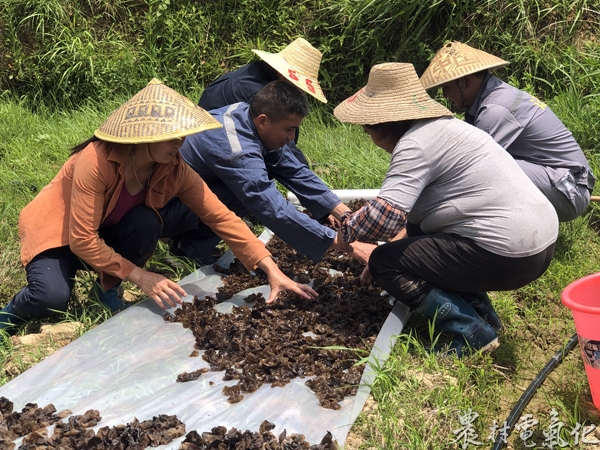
(238,163)
(298,63)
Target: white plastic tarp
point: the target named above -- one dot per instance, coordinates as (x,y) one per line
(126,368)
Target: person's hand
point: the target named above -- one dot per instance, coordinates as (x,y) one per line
(164,292)
(331,220)
(361,251)
(365,277)
(339,210)
(279,282)
(340,245)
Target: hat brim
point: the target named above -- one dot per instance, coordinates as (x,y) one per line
(365,109)
(157,113)
(438,83)
(309,85)
(166,136)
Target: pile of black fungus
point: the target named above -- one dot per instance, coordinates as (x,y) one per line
(76,434)
(220,438)
(292,337)
(135,435)
(14,424)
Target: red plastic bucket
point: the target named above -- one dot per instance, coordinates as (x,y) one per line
(582,297)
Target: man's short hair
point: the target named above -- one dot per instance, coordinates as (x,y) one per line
(278,100)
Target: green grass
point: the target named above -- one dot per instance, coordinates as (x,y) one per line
(64,65)
(418,397)
(63,52)
(328,144)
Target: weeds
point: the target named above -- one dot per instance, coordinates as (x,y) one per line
(63,53)
(74,62)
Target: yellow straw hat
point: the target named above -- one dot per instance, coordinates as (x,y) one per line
(156,113)
(455,60)
(299,63)
(392,94)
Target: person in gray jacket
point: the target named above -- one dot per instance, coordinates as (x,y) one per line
(474,221)
(523,125)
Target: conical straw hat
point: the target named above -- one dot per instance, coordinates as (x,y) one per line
(393,93)
(299,63)
(156,113)
(455,60)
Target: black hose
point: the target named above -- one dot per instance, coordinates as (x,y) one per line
(533,386)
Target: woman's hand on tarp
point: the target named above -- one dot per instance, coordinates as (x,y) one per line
(164,292)
(279,282)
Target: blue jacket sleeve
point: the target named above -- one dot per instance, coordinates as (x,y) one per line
(312,192)
(245,174)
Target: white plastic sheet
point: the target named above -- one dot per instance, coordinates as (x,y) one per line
(127,367)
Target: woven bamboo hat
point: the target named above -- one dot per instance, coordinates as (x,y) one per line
(156,113)
(455,60)
(393,93)
(299,63)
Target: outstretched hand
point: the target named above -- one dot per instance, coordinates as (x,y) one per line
(303,290)
(279,282)
(164,292)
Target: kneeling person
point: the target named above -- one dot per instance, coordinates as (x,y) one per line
(239,162)
(101,211)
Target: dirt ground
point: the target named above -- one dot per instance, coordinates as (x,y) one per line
(33,348)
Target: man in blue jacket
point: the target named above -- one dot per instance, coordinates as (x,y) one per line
(238,161)
(298,63)
(523,125)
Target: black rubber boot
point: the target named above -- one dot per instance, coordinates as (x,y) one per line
(9,321)
(482,305)
(452,314)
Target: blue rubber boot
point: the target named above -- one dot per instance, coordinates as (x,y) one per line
(481,303)
(110,297)
(9,321)
(452,314)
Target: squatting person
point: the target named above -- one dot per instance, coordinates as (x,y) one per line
(474,221)
(523,125)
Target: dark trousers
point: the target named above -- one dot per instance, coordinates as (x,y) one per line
(192,237)
(50,275)
(409,268)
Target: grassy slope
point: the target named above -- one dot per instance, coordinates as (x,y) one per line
(417,397)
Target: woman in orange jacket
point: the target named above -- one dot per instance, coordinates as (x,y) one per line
(109,204)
